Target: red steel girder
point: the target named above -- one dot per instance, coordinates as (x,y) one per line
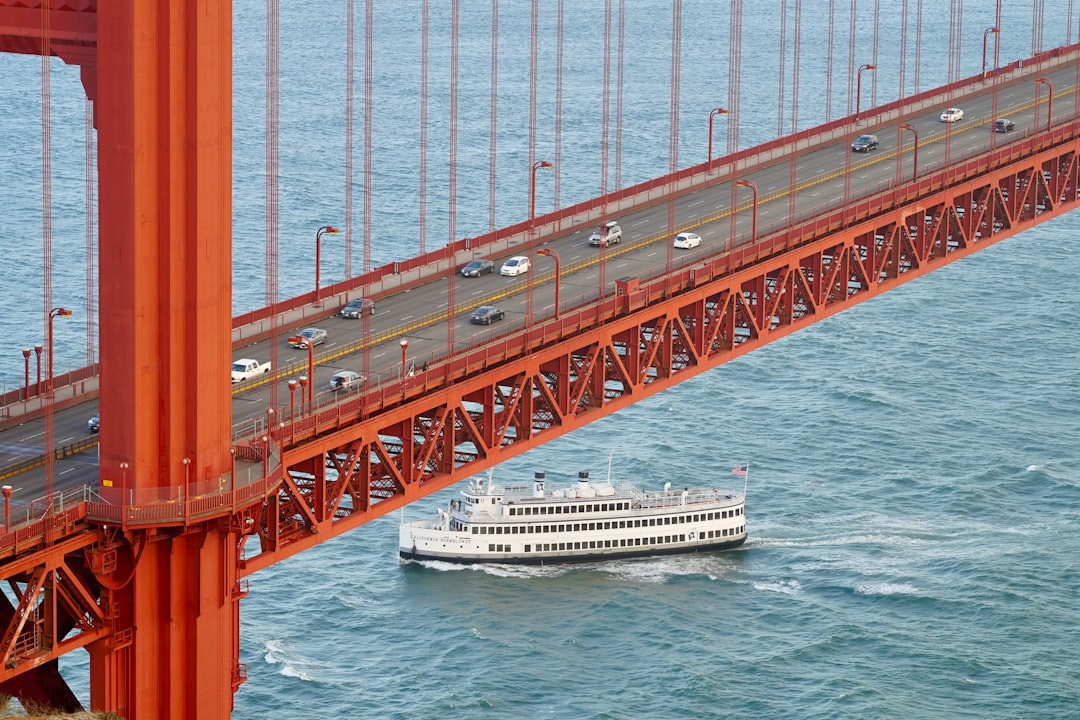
(533,387)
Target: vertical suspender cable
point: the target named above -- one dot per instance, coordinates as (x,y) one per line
(851,60)
(1038,12)
(605,114)
(369,102)
(350,72)
(619,94)
(46,232)
(91,238)
(558,104)
(273,66)
(534,51)
(874,62)
(455,13)
(828,63)
(425,13)
(494,131)
(955,9)
(781,75)
(673,120)
(903,48)
(918,45)
(735,72)
(795,52)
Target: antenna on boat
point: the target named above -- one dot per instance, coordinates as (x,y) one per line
(609,456)
(746,480)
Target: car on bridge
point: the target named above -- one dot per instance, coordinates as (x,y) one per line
(346,380)
(865,143)
(686,240)
(517,265)
(607,234)
(94,423)
(1004,125)
(315,336)
(478,267)
(486,314)
(356,308)
(951,115)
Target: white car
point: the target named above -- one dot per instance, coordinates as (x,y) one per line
(346,380)
(515,266)
(685,241)
(952,115)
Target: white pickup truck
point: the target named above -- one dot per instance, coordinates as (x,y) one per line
(245,369)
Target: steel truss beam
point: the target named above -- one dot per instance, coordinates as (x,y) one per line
(656,335)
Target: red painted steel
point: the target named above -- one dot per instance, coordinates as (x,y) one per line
(395,445)
(161,553)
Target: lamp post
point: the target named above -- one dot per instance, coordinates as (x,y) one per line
(303,380)
(712,114)
(1049,101)
(55,312)
(753,226)
(550,252)
(858,87)
(7,506)
(328,229)
(915,149)
(404,348)
(292,398)
(987,33)
(39,348)
(532,190)
(26,362)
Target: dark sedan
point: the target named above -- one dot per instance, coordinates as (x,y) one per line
(476,268)
(358,307)
(486,314)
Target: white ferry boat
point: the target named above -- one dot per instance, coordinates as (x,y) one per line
(495,523)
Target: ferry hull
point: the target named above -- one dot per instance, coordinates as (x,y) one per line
(564,559)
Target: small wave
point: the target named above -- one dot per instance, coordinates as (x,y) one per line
(887,589)
(276,655)
(785,587)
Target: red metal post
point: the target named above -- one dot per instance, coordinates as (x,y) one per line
(39,348)
(331,230)
(551,252)
(26,382)
(303,379)
(292,399)
(1049,101)
(7,506)
(712,114)
(753,188)
(532,190)
(404,349)
(310,370)
(987,33)
(858,87)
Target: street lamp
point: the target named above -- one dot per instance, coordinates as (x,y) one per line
(26,361)
(55,312)
(858,87)
(292,398)
(987,33)
(915,149)
(303,380)
(404,347)
(1049,101)
(328,229)
(712,114)
(550,252)
(753,227)
(532,190)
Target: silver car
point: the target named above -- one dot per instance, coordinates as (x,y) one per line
(316,336)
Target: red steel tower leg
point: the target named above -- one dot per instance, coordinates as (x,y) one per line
(164,106)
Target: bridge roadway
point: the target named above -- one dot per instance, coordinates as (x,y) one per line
(824,177)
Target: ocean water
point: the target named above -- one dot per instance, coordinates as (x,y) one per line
(914,485)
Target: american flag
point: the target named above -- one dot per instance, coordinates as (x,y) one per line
(741,470)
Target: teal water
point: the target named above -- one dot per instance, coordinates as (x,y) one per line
(913,494)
